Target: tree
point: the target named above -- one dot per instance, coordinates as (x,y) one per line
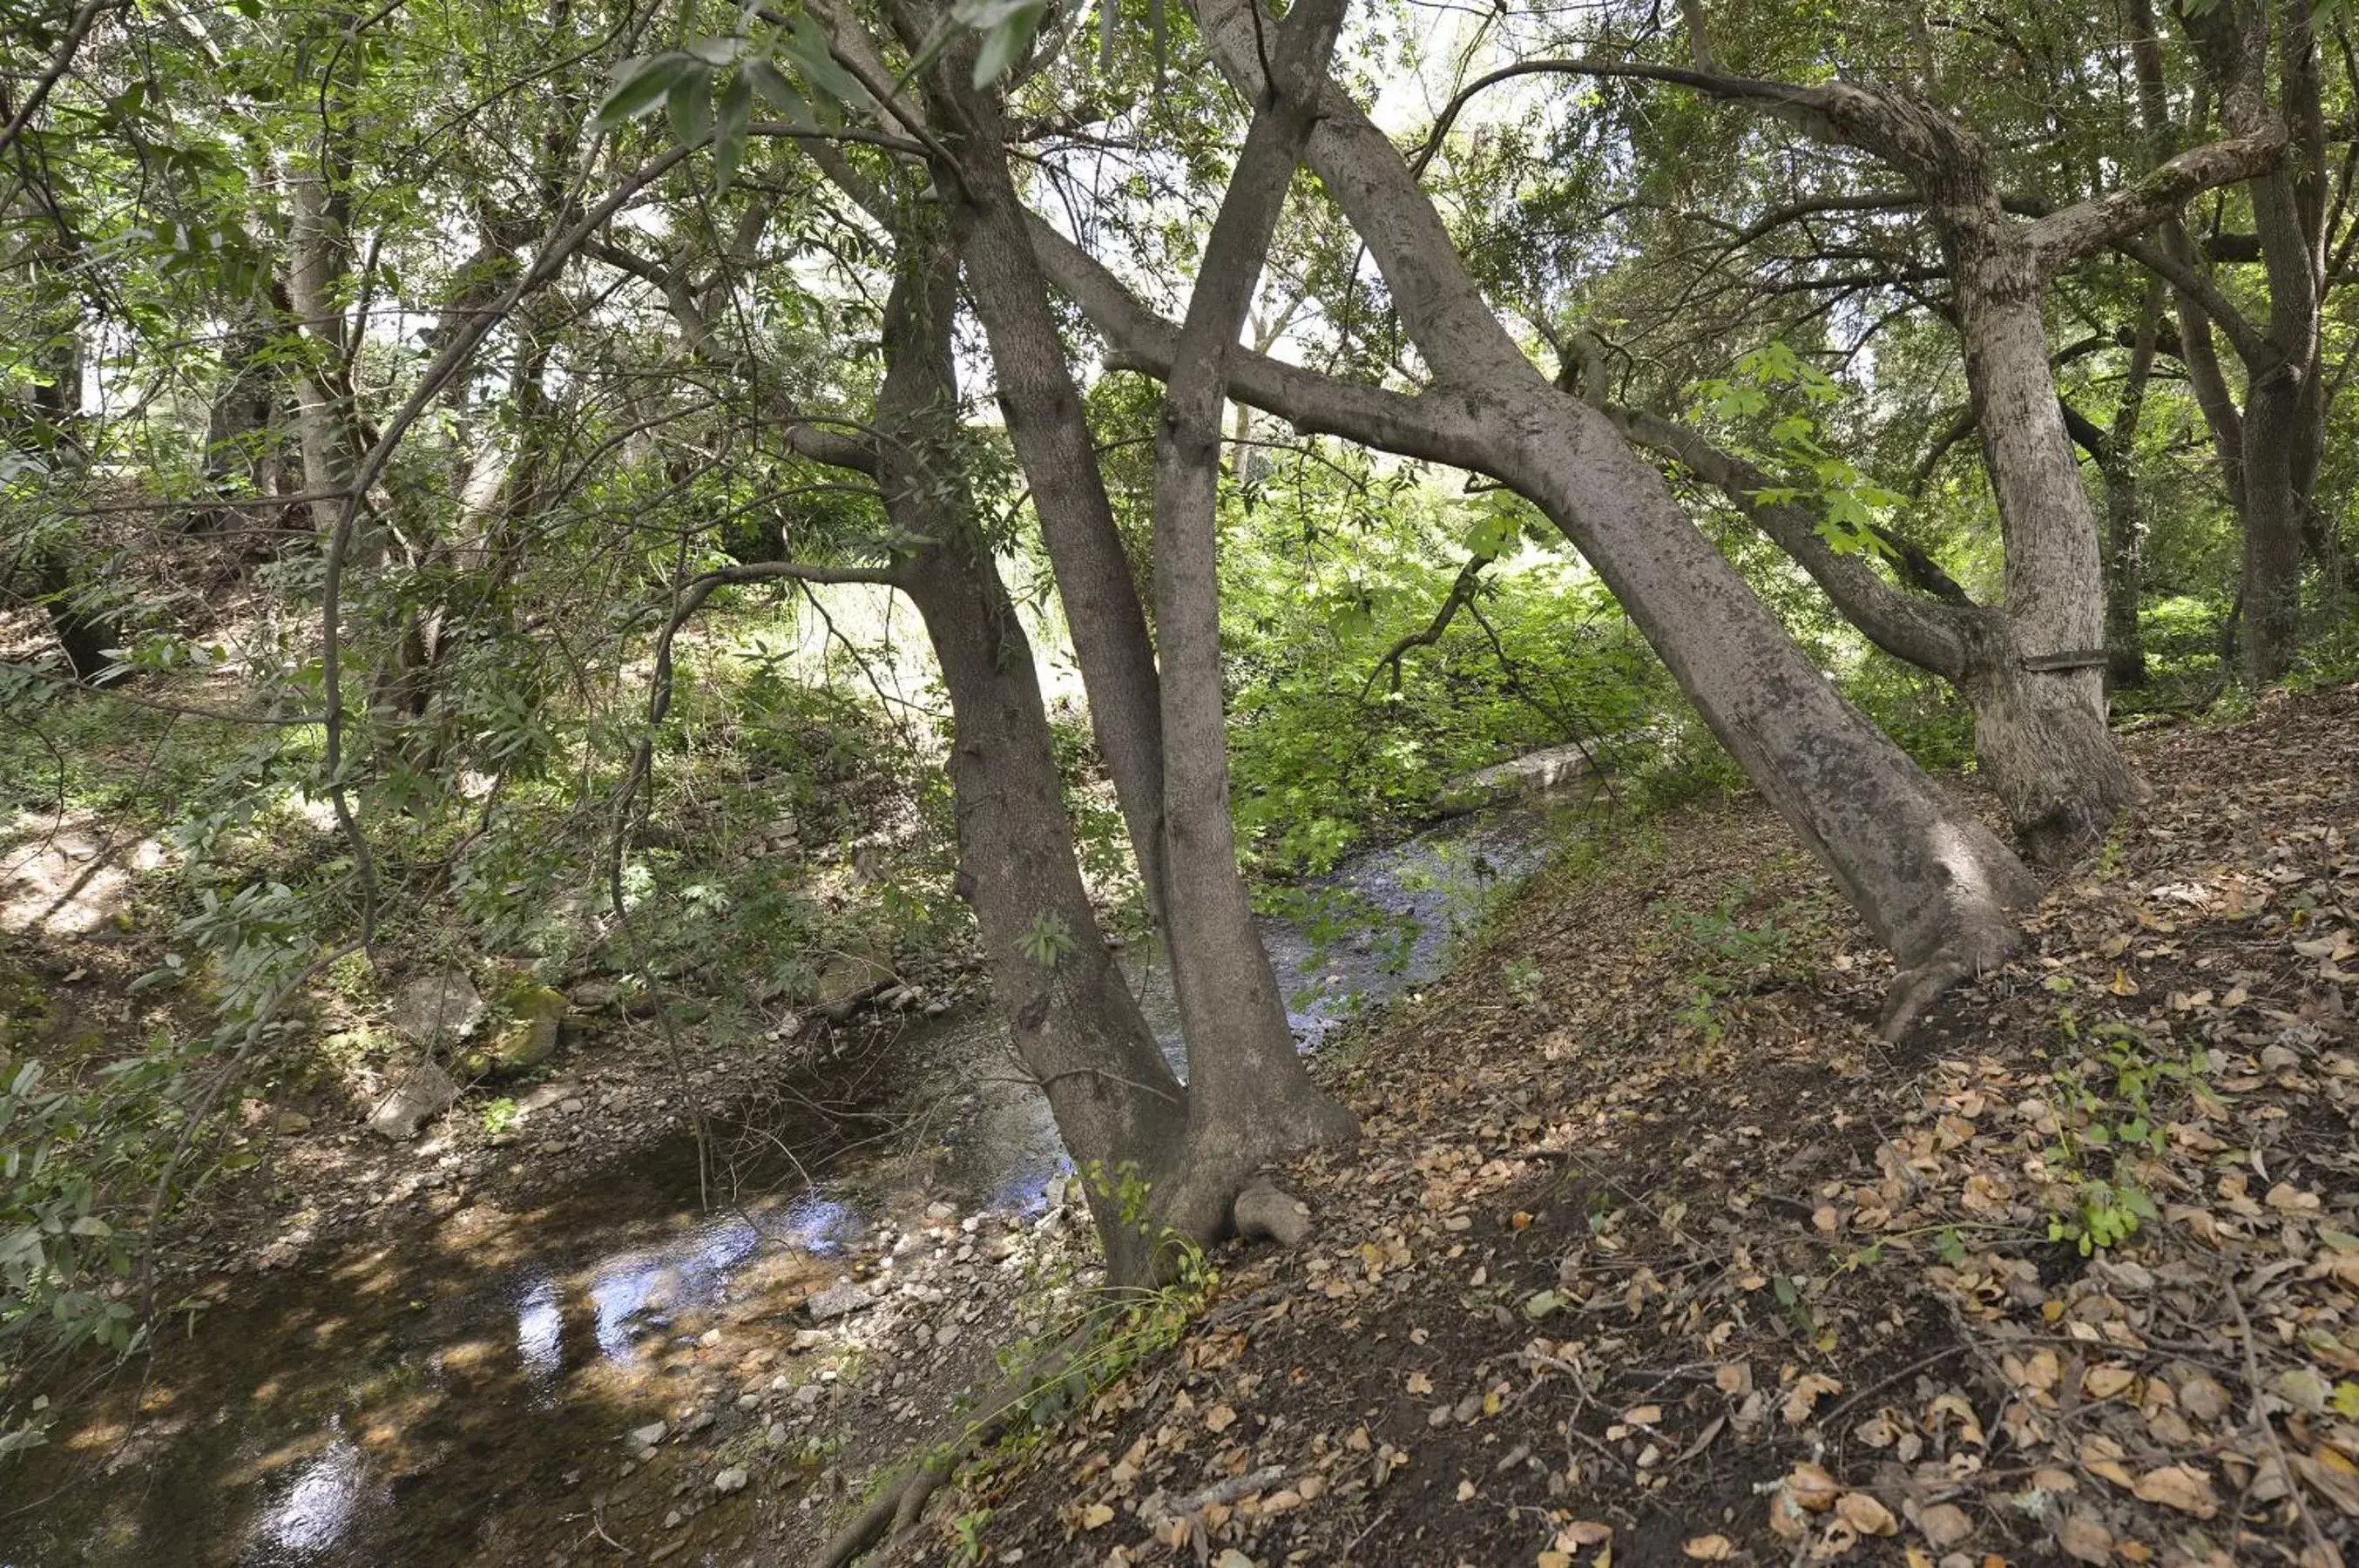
(1934,886)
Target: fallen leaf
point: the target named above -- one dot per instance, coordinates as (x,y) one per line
(1812,1487)
(1097,1516)
(1805,1394)
(1220,1417)
(1866,1515)
(1710,1549)
(2178,1487)
(2104,1382)
(1418,1383)
(2085,1540)
(1945,1524)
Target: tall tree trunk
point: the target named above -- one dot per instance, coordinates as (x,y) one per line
(1042,406)
(1250,1099)
(1121,1112)
(2039,691)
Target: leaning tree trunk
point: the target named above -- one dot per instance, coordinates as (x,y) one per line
(1075,1022)
(1936,885)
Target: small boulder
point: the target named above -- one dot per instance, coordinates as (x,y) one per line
(1262,1213)
(648,1436)
(436,1008)
(839,1301)
(536,1017)
(416,1094)
(729,1480)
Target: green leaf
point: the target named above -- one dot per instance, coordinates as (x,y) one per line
(691,107)
(773,89)
(734,111)
(1004,42)
(1951,1249)
(809,50)
(639,86)
(715,51)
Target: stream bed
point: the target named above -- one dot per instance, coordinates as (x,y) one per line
(393,1402)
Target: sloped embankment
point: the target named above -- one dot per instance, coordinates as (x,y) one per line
(1655,1254)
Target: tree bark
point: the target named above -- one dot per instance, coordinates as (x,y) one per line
(1934,885)
(2125,531)
(1042,406)
(1251,1100)
(1072,1016)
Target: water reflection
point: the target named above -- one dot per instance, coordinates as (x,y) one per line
(318,1509)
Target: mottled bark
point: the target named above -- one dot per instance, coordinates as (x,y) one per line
(1042,406)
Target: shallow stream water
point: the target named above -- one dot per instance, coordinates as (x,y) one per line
(383,1406)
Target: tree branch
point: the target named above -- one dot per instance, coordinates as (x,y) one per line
(1462,591)
(2065,237)
(1924,634)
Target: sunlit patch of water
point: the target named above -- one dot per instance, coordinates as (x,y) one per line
(317,1509)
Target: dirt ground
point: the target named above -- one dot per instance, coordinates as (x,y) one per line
(1654,1253)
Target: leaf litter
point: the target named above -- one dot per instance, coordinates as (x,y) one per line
(1669,1258)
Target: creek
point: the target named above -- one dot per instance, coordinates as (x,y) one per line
(428,1398)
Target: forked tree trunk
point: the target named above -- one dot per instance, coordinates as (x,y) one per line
(1254,1100)
(1250,1100)
(1121,1112)
(2041,733)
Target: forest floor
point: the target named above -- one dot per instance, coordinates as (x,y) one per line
(1654,1253)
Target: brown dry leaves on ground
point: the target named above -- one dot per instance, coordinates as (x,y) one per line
(1660,1256)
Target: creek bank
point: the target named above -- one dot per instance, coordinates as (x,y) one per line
(1656,1252)
(540,1295)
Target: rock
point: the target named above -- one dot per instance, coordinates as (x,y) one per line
(729,1480)
(850,977)
(648,1436)
(572,1107)
(938,1211)
(809,1395)
(536,1015)
(417,1094)
(437,1009)
(839,1301)
(1262,1213)
(946,1336)
(1537,773)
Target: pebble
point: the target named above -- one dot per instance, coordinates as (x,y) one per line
(729,1480)
(648,1436)
(946,1336)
